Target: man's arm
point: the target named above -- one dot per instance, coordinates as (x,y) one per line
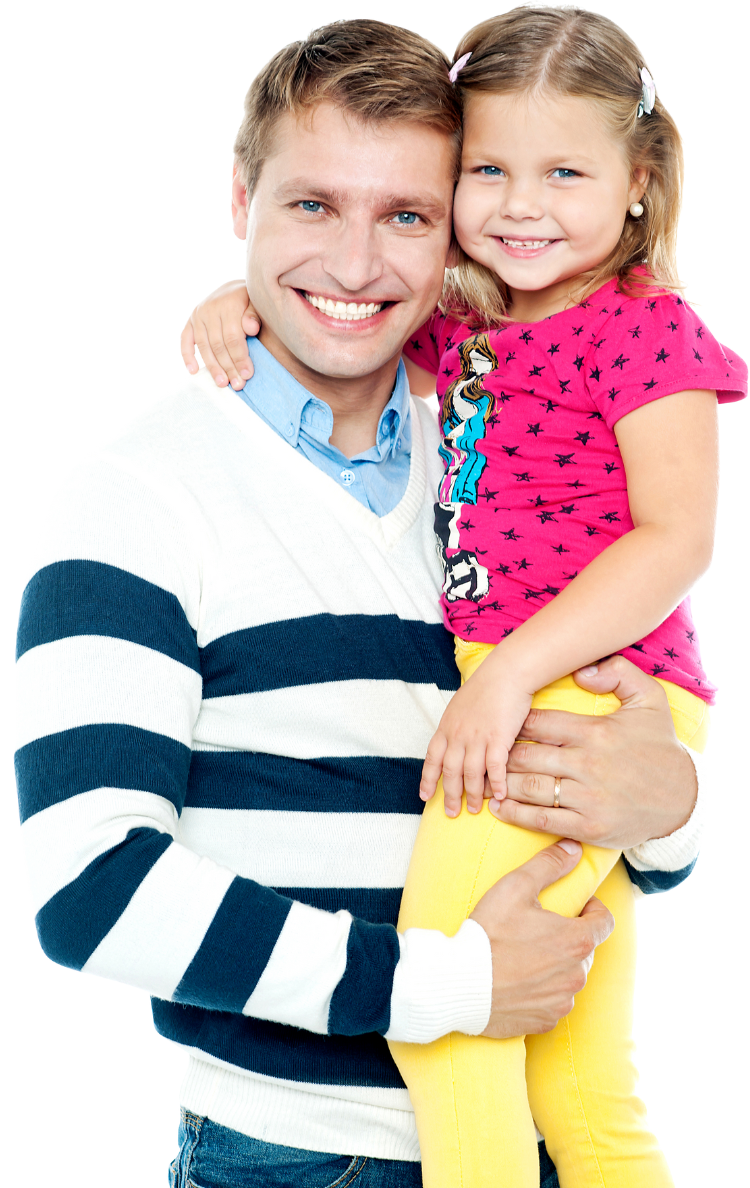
(626,780)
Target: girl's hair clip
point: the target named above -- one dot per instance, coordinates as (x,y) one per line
(648,93)
(458,66)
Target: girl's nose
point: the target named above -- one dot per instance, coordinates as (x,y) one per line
(521,200)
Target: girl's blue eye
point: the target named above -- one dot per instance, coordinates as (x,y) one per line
(310,206)
(490,171)
(564,173)
(406,218)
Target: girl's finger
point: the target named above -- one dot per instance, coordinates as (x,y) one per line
(474,770)
(432,766)
(211,363)
(497,758)
(453,779)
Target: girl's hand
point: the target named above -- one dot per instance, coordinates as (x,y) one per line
(217,327)
(475,736)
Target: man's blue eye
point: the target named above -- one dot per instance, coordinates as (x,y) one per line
(406,218)
(490,171)
(564,173)
(310,206)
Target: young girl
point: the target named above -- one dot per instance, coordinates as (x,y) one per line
(578,404)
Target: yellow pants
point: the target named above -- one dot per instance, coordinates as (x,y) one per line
(476,1099)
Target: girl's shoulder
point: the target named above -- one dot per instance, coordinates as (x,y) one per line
(440,333)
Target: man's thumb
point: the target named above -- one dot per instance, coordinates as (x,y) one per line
(552,863)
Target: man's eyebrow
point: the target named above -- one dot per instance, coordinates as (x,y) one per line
(301,190)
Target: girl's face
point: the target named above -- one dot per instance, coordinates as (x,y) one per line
(543,194)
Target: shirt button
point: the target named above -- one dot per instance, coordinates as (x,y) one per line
(347,477)
(289,430)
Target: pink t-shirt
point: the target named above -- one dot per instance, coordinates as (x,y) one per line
(534,487)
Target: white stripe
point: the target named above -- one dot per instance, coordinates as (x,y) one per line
(62,840)
(290,849)
(89,679)
(336,718)
(304,969)
(156,937)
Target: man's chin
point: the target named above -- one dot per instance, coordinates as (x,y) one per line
(350,359)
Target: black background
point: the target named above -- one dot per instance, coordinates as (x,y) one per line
(123,200)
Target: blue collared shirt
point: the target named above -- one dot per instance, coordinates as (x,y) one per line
(378,477)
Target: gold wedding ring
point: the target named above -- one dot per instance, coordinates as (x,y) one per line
(556,801)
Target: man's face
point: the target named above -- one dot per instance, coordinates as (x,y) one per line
(347,236)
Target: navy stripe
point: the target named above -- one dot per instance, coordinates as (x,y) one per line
(75,920)
(361,1001)
(254,780)
(378,905)
(274,1050)
(58,766)
(322,648)
(235,950)
(90,598)
(651,881)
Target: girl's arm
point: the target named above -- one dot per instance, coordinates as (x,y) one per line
(669,451)
(217,327)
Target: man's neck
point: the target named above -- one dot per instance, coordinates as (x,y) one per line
(356,402)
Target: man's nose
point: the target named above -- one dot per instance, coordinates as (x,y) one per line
(354,258)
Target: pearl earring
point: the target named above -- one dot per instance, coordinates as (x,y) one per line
(636,210)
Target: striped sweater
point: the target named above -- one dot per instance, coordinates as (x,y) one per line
(229,672)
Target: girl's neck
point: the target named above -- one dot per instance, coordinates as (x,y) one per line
(528,305)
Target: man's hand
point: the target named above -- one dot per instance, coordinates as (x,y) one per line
(625,777)
(539,960)
(218,328)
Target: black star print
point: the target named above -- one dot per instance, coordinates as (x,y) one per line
(679,301)
(466,525)
(577,330)
(544,517)
(698,357)
(576,484)
(416,345)
(567,509)
(618,311)
(504,569)
(578,362)
(447,371)
(569,576)
(584,437)
(662,356)
(538,502)
(565,460)
(507,631)
(536,370)
(549,406)
(469,628)
(648,384)
(600,343)
(594,416)
(591,531)
(671,653)
(560,549)
(610,466)
(526,336)
(637,647)
(553,348)
(651,305)
(620,361)
(531,594)
(610,517)
(613,392)
(658,668)
(691,636)
(493,420)
(523,563)
(511,534)
(509,357)
(672,326)
(551,590)
(433,339)
(480,610)
(635,332)
(595,374)
(584,304)
(505,396)
(487,494)
(510,450)
(449,344)
(535,429)
(563,386)
(524,478)
(496,606)
(699,332)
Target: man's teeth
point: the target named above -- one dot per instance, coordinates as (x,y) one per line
(343,310)
(527,243)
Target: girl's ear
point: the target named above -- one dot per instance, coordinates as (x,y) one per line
(638,183)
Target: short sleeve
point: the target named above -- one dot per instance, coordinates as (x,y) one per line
(651,347)
(425,346)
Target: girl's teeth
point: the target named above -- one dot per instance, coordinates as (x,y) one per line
(527,243)
(343,311)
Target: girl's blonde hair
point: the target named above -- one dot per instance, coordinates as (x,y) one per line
(568,51)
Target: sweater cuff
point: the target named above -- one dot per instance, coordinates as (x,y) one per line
(441,984)
(678,849)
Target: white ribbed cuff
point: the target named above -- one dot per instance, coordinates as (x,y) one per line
(680,848)
(441,984)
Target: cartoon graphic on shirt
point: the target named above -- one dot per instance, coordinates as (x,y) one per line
(463,575)
(464,414)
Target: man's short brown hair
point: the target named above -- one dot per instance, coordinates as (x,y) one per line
(379,73)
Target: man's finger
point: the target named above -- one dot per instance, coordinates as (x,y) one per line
(533,788)
(548,865)
(555,821)
(187,348)
(598,920)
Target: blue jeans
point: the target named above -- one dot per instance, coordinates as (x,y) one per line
(213,1157)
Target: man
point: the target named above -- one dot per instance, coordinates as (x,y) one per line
(233,661)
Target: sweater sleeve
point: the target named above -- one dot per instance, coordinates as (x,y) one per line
(664,862)
(109,683)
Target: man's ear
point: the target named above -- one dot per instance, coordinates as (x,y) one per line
(239,205)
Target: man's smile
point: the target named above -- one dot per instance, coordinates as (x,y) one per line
(349,311)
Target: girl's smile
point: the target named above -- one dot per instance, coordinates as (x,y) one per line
(543,195)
